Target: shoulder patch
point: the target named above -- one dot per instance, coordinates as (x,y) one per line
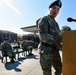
(40,23)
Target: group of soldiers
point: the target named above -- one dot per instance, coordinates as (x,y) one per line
(7,49)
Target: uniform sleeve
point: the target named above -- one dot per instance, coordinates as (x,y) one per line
(59,34)
(43,31)
(2,47)
(10,47)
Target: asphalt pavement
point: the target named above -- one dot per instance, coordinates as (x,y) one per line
(28,65)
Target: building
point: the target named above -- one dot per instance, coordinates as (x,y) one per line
(30,29)
(7,34)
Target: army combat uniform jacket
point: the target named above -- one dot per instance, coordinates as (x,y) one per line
(49,32)
(7,49)
(50,39)
(24,46)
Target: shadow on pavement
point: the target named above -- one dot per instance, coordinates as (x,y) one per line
(32,56)
(28,57)
(14,65)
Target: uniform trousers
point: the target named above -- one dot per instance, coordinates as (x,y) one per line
(49,60)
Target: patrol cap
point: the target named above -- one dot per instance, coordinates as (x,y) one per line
(57,2)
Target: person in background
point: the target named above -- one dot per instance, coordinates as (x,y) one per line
(50,39)
(25,47)
(18,42)
(6,49)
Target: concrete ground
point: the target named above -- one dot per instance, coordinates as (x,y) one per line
(28,65)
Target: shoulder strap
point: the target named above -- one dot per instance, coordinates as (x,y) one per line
(37,22)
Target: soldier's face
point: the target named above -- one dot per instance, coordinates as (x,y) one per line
(54,11)
(6,41)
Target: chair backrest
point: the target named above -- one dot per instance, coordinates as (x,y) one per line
(16,47)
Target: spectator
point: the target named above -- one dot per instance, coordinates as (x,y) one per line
(25,47)
(7,50)
(18,43)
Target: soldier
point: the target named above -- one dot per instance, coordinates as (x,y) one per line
(50,37)
(7,50)
(26,48)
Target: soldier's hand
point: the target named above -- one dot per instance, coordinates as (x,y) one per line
(57,43)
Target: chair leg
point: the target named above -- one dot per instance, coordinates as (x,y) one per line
(15,57)
(22,53)
(2,59)
(6,58)
(18,55)
(26,53)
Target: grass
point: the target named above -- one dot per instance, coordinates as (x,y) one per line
(13,44)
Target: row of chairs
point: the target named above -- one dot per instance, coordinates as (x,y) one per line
(17,50)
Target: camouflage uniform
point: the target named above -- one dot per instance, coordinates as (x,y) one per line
(25,47)
(50,37)
(7,50)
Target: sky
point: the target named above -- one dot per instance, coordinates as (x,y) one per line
(15,14)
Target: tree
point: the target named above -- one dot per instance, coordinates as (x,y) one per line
(19,37)
(65,28)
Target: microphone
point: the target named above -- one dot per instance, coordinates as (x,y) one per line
(71,19)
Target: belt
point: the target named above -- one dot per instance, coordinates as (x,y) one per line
(46,44)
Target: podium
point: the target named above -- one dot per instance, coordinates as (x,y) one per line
(69,53)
